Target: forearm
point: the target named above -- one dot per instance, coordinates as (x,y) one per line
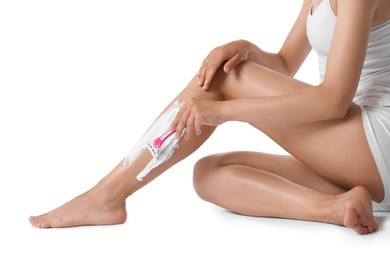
(273,61)
(311,105)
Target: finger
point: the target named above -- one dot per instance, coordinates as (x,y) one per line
(201,74)
(189,127)
(210,73)
(198,125)
(175,122)
(190,119)
(213,63)
(232,63)
(203,69)
(216,64)
(179,130)
(182,122)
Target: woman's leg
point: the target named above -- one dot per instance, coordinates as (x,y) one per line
(104,204)
(284,166)
(258,184)
(247,80)
(336,150)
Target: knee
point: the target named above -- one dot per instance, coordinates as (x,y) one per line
(226,83)
(205,175)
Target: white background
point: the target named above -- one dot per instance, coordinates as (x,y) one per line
(80,81)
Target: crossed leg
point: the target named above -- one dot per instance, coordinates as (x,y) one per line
(258,184)
(330,177)
(105,202)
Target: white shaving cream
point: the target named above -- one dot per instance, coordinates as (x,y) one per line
(159,127)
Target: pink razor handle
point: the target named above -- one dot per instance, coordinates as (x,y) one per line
(158,142)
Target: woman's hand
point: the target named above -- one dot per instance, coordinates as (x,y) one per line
(196,113)
(232,53)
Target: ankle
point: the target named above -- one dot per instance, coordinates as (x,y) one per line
(329,210)
(106,197)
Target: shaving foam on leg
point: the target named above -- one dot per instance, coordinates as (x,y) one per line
(158,140)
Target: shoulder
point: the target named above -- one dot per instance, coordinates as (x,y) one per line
(365,9)
(353,4)
(359,2)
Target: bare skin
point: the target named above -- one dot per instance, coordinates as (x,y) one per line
(105,203)
(314,179)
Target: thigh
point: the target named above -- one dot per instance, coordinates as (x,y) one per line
(285,166)
(336,149)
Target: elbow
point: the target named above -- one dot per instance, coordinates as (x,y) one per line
(338,108)
(333,104)
(338,111)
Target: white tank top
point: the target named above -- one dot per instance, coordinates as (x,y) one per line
(374,84)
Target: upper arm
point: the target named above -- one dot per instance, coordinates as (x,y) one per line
(296,47)
(348,50)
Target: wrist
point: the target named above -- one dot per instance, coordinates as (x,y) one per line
(254,53)
(247,45)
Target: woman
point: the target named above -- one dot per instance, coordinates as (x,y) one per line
(337,132)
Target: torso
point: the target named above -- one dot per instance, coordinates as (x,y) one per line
(374,84)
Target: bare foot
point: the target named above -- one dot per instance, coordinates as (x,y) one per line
(86,209)
(358,213)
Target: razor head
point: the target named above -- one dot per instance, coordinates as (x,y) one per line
(157,146)
(153,150)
